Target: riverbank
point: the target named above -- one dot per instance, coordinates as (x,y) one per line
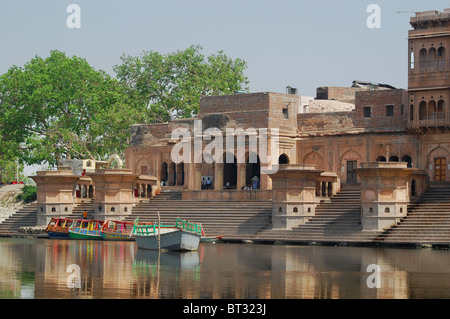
(8,203)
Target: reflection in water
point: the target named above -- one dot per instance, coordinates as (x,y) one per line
(39,269)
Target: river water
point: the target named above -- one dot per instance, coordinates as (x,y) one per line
(83,269)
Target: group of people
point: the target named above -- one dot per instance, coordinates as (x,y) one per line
(206,183)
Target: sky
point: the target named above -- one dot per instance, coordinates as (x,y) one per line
(303,44)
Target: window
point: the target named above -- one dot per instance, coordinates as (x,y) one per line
(389,110)
(366,110)
(286,113)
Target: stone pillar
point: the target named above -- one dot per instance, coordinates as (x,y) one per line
(293,195)
(54,194)
(384,193)
(241,175)
(218,176)
(196,178)
(114,191)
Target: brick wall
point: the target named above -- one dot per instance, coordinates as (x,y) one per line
(326,123)
(378,102)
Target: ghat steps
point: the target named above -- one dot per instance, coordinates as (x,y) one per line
(24,217)
(217,217)
(337,220)
(427,221)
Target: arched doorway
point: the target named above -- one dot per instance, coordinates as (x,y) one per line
(283,159)
(230,173)
(180,174)
(393,158)
(172,174)
(164,173)
(408,160)
(252,171)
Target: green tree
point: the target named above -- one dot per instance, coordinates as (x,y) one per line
(62,107)
(53,106)
(170,86)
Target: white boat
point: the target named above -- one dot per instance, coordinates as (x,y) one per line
(183,235)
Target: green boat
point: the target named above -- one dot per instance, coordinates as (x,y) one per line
(86,229)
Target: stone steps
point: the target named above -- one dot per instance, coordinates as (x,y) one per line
(22,218)
(217,217)
(336,220)
(427,221)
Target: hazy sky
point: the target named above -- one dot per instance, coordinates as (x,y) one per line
(305,44)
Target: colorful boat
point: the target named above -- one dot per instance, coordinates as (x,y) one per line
(210,239)
(58,227)
(183,235)
(117,230)
(86,229)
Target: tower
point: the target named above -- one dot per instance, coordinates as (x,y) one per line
(429,90)
(429,70)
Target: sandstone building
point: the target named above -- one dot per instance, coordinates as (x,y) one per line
(393,142)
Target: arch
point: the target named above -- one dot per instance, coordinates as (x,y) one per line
(438,151)
(229,172)
(349,162)
(393,158)
(441,58)
(164,173)
(91,191)
(180,174)
(314,158)
(283,159)
(143,166)
(381,159)
(84,191)
(408,160)
(432,63)
(252,170)
(114,162)
(423,59)
(78,191)
(172,176)
(431,110)
(330,189)
(423,110)
(142,190)
(440,111)
(350,154)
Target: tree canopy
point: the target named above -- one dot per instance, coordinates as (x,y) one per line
(62,107)
(171,85)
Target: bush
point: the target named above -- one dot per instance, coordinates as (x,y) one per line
(28,195)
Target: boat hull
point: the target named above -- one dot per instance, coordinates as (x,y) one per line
(85,234)
(174,240)
(118,236)
(57,235)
